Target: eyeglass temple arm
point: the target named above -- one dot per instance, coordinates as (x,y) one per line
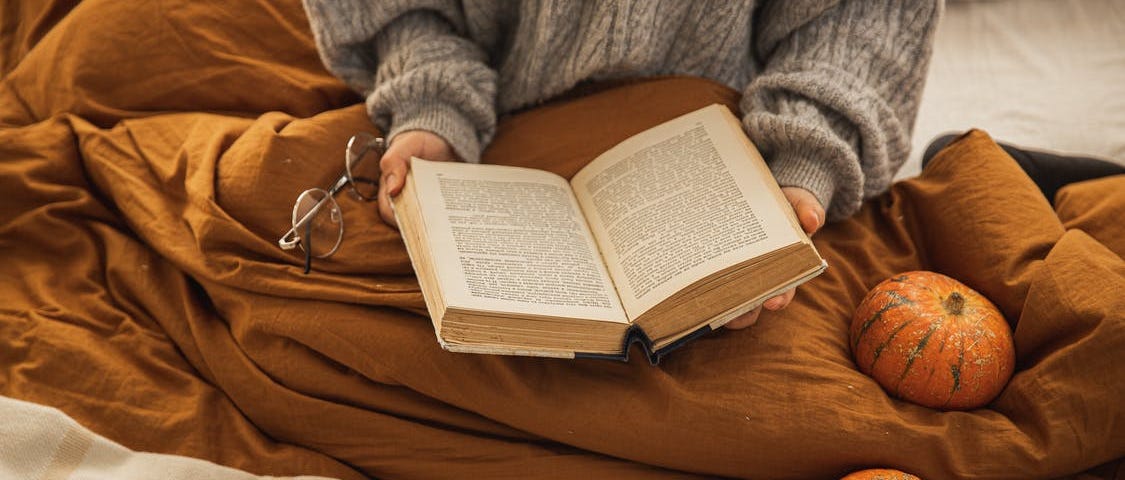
(290,240)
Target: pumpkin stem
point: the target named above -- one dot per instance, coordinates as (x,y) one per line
(954,303)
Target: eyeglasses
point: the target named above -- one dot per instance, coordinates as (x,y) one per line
(318,223)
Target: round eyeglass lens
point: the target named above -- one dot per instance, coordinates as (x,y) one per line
(325,227)
(362,160)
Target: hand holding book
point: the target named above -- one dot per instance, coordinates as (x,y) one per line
(395,164)
(811,215)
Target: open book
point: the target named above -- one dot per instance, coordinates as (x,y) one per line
(668,235)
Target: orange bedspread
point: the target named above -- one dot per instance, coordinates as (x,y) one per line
(149,157)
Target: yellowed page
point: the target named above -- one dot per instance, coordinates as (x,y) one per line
(510,239)
(679,202)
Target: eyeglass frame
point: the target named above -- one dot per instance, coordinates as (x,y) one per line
(291,239)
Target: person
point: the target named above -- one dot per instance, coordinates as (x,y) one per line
(830,88)
(1050,171)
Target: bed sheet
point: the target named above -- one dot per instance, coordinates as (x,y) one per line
(149,156)
(1042,74)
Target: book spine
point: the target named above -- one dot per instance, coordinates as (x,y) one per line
(637,335)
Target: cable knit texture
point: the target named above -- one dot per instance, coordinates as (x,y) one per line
(830,88)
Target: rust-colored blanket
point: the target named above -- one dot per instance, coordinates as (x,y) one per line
(150,153)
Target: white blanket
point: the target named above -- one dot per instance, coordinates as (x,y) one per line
(1041,74)
(42,443)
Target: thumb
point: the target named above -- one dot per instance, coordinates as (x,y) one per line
(810,213)
(394,166)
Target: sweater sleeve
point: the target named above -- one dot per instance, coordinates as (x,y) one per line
(412,62)
(834,104)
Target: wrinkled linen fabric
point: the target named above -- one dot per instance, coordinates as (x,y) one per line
(149,158)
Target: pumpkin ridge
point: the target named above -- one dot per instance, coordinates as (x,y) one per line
(955,370)
(879,349)
(898,300)
(918,350)
(931,376)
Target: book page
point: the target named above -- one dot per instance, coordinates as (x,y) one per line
(510,239)
(679,202)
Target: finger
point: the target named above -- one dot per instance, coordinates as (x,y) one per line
(394,169)
(810,213)
(779,302)
(393,177)
(811,217)
(745,320)
(386,211)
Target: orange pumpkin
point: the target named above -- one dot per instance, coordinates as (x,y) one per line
(880,474)
(929,339)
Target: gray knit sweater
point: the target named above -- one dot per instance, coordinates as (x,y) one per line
(830,87)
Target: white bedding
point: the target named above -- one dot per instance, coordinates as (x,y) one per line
(39,442)
(1044,74)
